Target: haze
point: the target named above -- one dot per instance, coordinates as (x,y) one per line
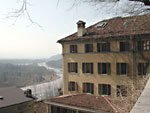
(24,40)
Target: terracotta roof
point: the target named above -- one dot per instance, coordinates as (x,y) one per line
(115,27)
(12,96)
(87,101)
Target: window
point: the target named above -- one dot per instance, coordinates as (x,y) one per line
(88,88)
(81,112)
(87,68)
(142,68)
(143,45)
(121,68)
(101,25)
(103,68)
(72,86)
(121,90)
(104,89)
(73,67)
(103,47)
(73,49)
(88,48)
(56,109)
(124,46)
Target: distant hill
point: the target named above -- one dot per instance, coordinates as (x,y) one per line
(24,75)
(21,61)
(55,63)
(55,57)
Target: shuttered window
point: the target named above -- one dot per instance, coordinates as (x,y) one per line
(88,48)
(143,45)
(103,68)
(72,86)
(103,47)
(121,68)
(88,88)
(73,49)
(73,67)
(142,68)
(87,68)
(57,109)
(104,89)
(124,46)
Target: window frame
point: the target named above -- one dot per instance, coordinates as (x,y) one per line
(87,85)
(101,88)
(72,67)
(101,66)
(73,49)
(124,46)
(119,70)
(103,47)
(87,66)
(143,45)
(142,68)
(89,48)
(72,86)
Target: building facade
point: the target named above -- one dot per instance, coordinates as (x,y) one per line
(100,59)
(13,100)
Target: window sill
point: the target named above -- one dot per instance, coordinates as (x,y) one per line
(72,73)
(72,91)
(104,95)
(123,75)
(88,73)
(73,53)
(103,74)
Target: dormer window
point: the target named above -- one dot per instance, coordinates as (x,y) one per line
(129,22)
(1,98)
(101,25)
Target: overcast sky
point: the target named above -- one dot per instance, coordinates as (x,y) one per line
(24,40)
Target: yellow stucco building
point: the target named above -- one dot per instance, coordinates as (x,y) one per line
(100,58)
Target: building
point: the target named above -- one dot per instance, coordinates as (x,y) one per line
(81,103)
(13,100)
(100,58)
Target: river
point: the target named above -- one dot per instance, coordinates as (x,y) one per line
(48,89)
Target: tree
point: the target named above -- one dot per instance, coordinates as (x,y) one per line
(117,7)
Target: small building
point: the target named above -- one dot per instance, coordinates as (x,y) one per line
(14,100)
(81,103)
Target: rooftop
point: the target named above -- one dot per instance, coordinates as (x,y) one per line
(89,102)
(115,27)
(11,96)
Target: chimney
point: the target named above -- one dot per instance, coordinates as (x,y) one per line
(28,93)
(81,28)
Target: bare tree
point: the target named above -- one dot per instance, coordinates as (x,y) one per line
(117,7)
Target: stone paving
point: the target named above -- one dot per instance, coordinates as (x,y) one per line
(143,103)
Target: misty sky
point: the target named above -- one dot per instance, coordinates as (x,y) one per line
(24,40)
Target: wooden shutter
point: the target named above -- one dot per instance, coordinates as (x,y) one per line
(76,67)
(99,68)
(83,67)
(91,68)
(118,68)
(98,47)
(108,47)
(108,68)
(68,67)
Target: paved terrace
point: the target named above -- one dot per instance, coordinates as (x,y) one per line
(143,103)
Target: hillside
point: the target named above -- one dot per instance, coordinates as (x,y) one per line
(23,75)
(55,63)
